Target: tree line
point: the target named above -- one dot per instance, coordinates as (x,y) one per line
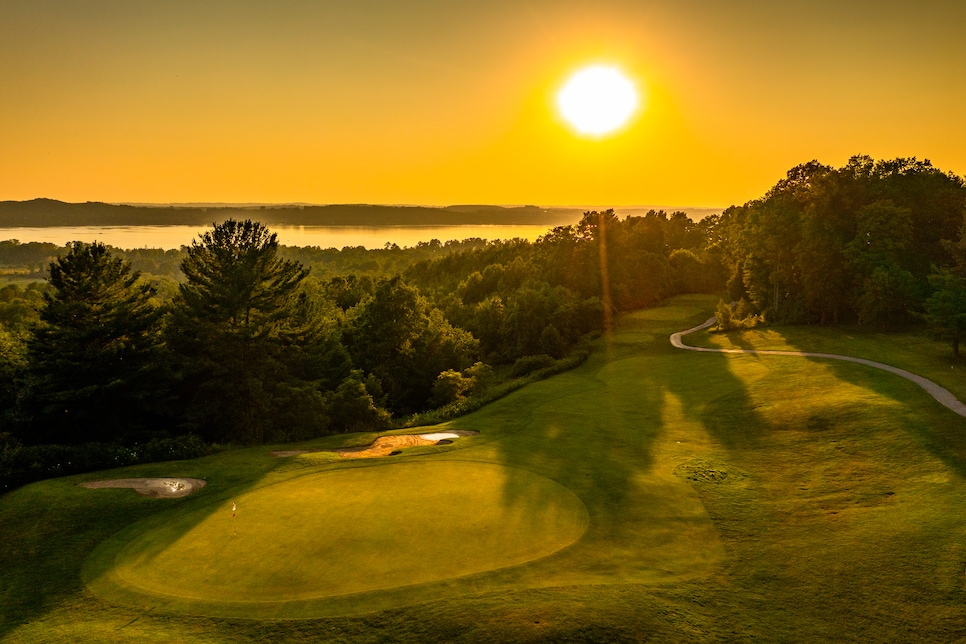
(250,346)
(30,260)
(879,243)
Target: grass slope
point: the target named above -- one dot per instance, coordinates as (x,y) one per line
(337,533)
(721,498)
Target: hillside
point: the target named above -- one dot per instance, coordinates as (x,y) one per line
(50,212)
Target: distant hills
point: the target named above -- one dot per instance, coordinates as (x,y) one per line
(49,212)
(43,213)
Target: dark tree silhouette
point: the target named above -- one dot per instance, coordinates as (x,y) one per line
(94,360)
(241,330)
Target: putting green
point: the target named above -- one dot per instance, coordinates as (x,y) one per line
(352,531)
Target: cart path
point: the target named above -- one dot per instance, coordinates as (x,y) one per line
(943,395)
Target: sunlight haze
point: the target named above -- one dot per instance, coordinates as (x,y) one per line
(438,103)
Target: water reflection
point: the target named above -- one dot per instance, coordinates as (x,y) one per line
(169,237)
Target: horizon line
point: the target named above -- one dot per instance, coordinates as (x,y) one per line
(285,204)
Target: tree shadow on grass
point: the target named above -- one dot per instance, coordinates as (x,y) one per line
(942,434)
(857,474)
(941,431)
(49,528)
(738,339)
(814,527)
(603,431)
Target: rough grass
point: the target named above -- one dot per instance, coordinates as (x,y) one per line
(728,498)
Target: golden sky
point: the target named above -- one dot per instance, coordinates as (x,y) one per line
(442,102)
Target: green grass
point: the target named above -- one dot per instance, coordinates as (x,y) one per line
(337,533)
(909,350)
(651,493)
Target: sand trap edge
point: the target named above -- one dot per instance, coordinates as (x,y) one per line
(164,488)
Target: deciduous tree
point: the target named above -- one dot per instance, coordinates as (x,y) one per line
(945,309)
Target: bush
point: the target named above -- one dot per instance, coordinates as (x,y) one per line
(450,386)
(528,364)
(733,319)
(493,392)
(552,343)
(355,406)
(481,375)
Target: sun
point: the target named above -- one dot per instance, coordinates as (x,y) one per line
(597,100)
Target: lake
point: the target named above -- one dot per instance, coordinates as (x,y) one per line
(168,237)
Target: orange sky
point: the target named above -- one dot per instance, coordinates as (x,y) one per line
(440,102)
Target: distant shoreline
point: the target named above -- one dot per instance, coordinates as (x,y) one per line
(43,213)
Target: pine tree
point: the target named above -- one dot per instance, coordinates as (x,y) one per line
(241,329)
(94,361)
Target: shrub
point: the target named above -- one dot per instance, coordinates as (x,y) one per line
(354,405)
(528,364)
(481,375)
(494,392)
(733,319)
(450,386)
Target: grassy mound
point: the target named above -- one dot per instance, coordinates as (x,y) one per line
(342,532)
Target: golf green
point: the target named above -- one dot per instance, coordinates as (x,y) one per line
(351,531)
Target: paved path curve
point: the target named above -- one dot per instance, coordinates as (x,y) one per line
(944,396)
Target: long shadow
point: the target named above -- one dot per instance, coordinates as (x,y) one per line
(738,339)
(597,429)
(812,552)
(943,436)
(49,529)
(938,429)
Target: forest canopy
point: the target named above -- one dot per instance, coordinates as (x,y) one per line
(857,243)
(251,342)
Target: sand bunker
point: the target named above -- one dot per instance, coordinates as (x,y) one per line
(387,445)
(168,488)
(383,446)
(439,436)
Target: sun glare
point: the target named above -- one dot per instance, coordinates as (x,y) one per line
(597,100)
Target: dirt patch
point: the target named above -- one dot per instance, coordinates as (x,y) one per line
(165,488)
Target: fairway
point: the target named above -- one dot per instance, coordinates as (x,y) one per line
(352,531)
(649,493)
